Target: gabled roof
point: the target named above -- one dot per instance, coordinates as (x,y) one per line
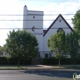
(44,31)
(55,21)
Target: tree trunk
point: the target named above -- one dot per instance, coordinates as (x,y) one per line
(19,60)
(18,63)
(74,62)
(59,62)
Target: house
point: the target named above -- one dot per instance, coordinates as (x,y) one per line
(4,54)
(33,22)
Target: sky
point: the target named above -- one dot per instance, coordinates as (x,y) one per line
(11,9)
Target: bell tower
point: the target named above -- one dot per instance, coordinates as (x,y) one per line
(33,22)
(25,17)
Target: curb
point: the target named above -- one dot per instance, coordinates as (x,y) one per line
(33,68)
(39,67)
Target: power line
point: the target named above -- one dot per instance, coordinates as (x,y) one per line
(47,14)
(47,11)
(31,28)
(33,14)
(32,20)
(50,0)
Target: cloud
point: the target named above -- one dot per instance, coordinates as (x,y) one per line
(8,8)
(14,7)
(60,8)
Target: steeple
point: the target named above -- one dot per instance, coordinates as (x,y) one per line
(25,16)
(25,7)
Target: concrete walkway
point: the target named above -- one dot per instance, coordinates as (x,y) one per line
(40,67)
(52,67)
(28,67)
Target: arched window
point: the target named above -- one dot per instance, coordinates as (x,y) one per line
(60,29)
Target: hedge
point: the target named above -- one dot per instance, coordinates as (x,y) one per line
(13,61)
(45,61)
(54,61)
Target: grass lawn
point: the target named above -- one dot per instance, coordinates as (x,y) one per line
(67,66)
(4,67)
(10,67)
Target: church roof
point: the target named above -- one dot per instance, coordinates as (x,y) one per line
(55,21)
(44,31)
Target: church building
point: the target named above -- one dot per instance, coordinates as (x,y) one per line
(33,22)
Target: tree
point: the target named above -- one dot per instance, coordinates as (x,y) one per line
(73,45)
(76,21)
(56,43)
(21,44)
(1,50)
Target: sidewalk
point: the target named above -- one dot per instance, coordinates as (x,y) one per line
(39,67)
(30,67)
(25,67)
(53,67)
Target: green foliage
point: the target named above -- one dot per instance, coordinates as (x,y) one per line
(13,61)
(56,43)
(49,61)
(73,45)
(76,21)
(21,44)
(2,48)
(64,61)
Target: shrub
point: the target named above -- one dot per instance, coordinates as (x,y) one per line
(13,61)
(54,61)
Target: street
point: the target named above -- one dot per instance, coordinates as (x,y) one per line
(63,74)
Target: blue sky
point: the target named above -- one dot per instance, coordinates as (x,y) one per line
(13,7)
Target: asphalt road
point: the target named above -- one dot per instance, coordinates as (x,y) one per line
(64,74)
